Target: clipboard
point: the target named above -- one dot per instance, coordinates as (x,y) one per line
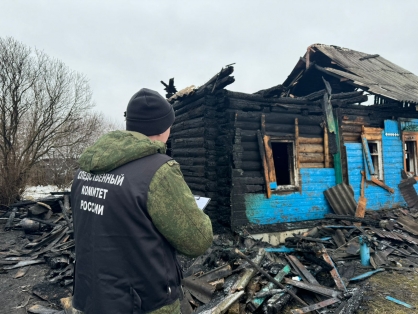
(201,201)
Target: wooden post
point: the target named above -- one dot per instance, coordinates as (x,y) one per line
(361,205)
(337,156)
(268,150)
(264,163)
(269,157)
(326,147)
(263,124)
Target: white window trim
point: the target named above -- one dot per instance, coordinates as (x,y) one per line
(379,159)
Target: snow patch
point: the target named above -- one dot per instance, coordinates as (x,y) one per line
(36,192)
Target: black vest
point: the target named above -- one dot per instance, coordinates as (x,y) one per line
(123,263)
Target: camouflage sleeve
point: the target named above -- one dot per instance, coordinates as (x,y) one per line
(174,212)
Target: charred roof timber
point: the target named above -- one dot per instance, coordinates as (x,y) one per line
(353,69)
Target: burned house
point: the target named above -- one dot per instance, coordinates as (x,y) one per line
(342,117)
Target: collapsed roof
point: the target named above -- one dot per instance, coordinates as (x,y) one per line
(370,72)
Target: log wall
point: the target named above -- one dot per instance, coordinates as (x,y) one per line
(214,139)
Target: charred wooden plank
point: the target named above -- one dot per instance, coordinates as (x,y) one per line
(221,83)
(217,273)
(202,111)
(255,303)
(239,104)
(191,101)
(276,303)
(259,99)
(189,124)
(278,118)
(311,148)
(264,163)
(311,157)
(251,165)
(226,303)
(312,165)
(248,273)
(334,272)
(25,263)
(270,92)
(271,279)
(191,161)
(316,306)
(224,72)
(252,156)
(314,288)
(306,274)
(349,101)
(366,221)
(351,306)
(199,288)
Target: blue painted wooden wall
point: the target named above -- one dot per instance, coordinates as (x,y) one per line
(308,204)
(377,197)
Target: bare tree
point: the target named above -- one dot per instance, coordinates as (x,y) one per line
(60,163)
(43,108)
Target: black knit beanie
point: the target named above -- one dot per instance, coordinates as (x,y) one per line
(149,113)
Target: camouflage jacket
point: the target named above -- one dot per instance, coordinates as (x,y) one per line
(170,203)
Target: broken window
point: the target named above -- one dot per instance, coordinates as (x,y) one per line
(372,148)
(279,160)
(279,163)
(376,154)
(410,152)
(375,149)
(410,157)
(284,165)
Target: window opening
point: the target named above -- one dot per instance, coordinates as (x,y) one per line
(283,162)
(375,152)
(410,157)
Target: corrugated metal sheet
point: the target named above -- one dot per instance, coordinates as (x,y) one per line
(379,75)
(341,199)
(408,192)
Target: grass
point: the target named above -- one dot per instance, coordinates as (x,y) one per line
(401,286)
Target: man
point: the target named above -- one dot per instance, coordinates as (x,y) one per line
(132,211)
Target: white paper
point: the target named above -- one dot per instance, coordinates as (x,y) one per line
(201,201)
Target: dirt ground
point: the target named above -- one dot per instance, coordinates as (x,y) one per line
(16,293)
(403,287)
(399,285)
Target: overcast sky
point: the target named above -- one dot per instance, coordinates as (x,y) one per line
(122,46)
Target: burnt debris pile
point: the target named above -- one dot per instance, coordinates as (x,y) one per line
(321,270)
(48,228)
